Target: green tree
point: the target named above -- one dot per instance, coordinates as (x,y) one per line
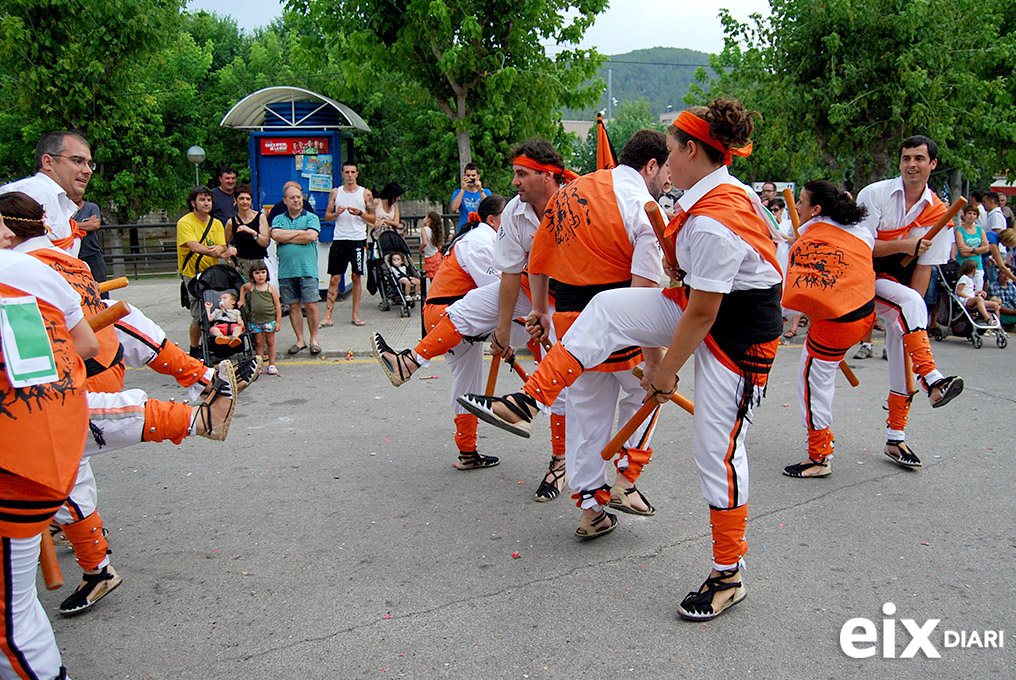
(631,117)
(76,65)
(481,62)
(841,83)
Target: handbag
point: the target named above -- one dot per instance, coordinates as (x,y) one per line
(185,300)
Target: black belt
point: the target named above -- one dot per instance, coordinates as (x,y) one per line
(447,300)
(93,367)
(571,298)
(861,312)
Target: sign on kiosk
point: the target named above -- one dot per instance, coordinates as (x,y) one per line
(291,146)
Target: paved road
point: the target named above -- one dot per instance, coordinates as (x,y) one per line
(330,537)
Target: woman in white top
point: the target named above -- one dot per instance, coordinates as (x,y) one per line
(386,211)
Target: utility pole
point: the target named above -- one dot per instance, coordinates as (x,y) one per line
(610,94)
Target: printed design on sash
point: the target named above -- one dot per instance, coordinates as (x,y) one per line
(567,213)
(24,399)
(817,265)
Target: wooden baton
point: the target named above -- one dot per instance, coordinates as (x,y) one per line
(109,315)
(678,398)
(629,429)
(515,366)
(795,220)
(113,284)
(938,226)
(492,376)
(51,573)
(652,209)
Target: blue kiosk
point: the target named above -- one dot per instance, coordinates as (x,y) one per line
(301,136)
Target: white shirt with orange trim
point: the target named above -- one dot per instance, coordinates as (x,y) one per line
(632,195)
(715,259)
(519,223)
(51,196)
(887,209)
(475,254)
(26,273)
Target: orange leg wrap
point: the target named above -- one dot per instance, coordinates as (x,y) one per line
(439,340)
(637,459)
(90,547)
(465,432)
(166,420)
(728,528)
(558,370)
(177,364)
(899,409)
(820,443)
(557,439)
(917,346)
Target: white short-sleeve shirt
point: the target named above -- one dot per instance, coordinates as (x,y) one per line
(475,254)
(26,273)
(887,209)
(519,223)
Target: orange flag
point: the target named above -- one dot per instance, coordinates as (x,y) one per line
(605,158)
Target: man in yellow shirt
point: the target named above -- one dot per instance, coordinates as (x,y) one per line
(200,242)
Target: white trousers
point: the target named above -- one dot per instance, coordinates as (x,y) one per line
(29,646)
(815,390)
(477,314)
(592,403)
(904,311)
(644,317)
(142,339)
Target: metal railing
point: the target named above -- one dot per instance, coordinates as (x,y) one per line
(150,249)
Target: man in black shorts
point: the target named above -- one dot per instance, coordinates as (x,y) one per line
(351,207)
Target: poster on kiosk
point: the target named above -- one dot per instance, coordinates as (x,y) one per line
(313,159)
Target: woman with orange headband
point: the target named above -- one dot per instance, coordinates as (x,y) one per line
(727,315)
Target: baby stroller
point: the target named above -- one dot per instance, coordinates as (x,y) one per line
(207,287)
(954,317)
(381,278)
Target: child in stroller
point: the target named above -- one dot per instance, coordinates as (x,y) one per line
(966,290)
(953,314)
(226,322)
(383,278)
(410,284)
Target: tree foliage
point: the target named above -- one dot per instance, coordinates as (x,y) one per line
(480,62)
(841,83)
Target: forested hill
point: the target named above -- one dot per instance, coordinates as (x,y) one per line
(658,75)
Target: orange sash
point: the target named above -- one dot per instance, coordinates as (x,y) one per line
(43,427)
(76,273)
(928,217)
(829,273)
(451,280)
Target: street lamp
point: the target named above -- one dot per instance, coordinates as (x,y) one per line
(196,155)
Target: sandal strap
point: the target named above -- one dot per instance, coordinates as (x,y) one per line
(520,398)
(703,599)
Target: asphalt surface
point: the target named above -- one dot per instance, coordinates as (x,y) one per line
(331,537)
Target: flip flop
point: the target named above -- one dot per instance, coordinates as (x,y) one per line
(357,322)
(296,349)
(325,325)
(315,349)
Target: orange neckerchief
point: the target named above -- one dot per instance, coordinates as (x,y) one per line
(928,217)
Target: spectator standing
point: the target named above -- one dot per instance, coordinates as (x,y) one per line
(977,200)
(994,224)
(224,196)
(265,311)
(89,221)
(248,231)
(296,232)
(431,240)
(386,210)
(200,243)
(63,167)
(352,209)
(768,192)
(1006,210)
(466,199)
(668,199)
(971,244)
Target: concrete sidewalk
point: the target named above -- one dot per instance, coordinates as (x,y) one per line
(159,299)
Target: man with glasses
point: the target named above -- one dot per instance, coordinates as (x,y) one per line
(63,167)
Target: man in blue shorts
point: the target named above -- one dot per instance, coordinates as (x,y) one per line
(295,232)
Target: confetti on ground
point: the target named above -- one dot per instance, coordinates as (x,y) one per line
(938,456)
(349,355)
(387,616)
(781,523)
(516,555)
(428,377)
(924,543)
(521,482)
(784,406)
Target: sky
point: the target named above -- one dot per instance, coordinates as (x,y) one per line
(626,25)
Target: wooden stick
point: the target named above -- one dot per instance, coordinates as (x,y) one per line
(908,366)
(795,219)
(515,366)
(51,573)
(492,376)
(678,398)
(629,429)
(939,226)
(109,315)
(659,226)
(113,284)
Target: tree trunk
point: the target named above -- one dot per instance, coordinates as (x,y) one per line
(461,122)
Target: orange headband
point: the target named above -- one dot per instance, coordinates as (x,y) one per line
(699,129)
(527,162)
